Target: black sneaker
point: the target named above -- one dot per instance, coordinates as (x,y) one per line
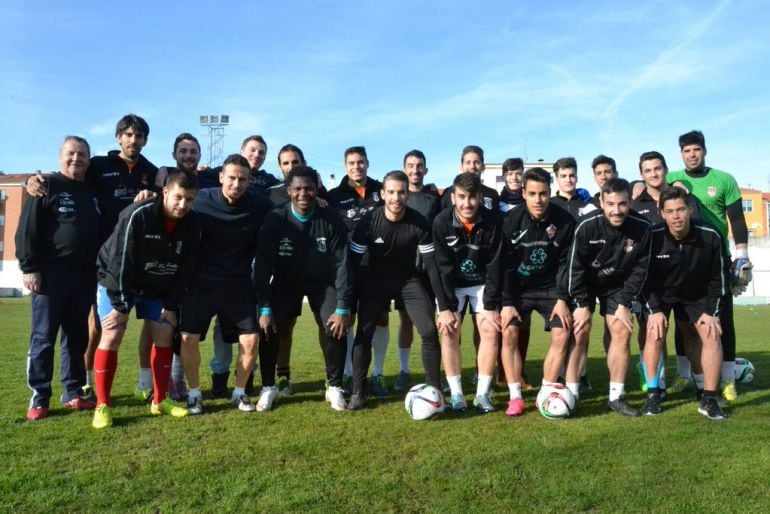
(403,382)
(357,401)
(622,407)
(709,407)
(651,405)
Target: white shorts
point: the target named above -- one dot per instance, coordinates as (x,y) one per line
(473,295)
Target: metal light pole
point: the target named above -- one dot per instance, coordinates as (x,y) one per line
(216,124)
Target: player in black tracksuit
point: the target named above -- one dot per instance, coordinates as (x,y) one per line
(353,203)
(391,237)
(305,249)
(230,219)
(687,274)
(536,240)
(609,259)
(56,243)
(467,243)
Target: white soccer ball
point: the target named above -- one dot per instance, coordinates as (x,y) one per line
(744,371)
(424,402)
(555,402)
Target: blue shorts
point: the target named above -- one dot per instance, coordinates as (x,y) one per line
(146,308)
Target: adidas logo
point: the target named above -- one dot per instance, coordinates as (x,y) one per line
(379,240)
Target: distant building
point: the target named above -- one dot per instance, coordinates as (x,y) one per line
(493,173)
(12,195)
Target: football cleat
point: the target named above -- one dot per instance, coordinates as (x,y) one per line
(336,398)
(681,384)
(102,416)
(729,391)
(194,405)
(357,401)
(651,405)
(37,413)
(622,407)
(266,398)
(80,403)
(403,382)
(458,403)
(483,403)
(143,395)
(515,407)
(284,387)
(709,407)
(168,407)
(379,387)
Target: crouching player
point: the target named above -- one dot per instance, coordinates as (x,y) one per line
(466,244)
(305,248)
(146,263)
(536,240)
(686,275)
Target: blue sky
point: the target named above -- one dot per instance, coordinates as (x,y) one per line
(540,80)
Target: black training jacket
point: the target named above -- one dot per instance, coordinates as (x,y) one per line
(350,206)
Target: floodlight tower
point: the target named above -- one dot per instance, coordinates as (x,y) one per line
(216,124)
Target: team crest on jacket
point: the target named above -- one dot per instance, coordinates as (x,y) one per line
(629,246)
(376,196)
(711,191)
(178,248)
(551,231)
(488,203)
(351,213)
(285,248)
(320,244)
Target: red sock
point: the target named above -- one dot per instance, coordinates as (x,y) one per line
(105,365)
(160,360)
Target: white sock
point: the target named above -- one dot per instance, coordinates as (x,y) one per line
(403,359)
(698,380)
(145,379)
(380,341)
(90,377)
(349,354)
(482,386)
(195,392)
(574,388)
(514,390)
(177,371)
(238,391)
(683,367)
(455,385)
(547,383)
(728,371)
(617,389)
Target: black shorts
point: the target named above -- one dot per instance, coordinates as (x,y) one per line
(287,302)
(541,301)
(235,304)
(608,302)
(684,312)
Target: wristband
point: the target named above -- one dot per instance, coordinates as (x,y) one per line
(344,312)
(265,311)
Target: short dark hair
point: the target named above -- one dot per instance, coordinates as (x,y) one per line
(672,193)
(76,139)
(255,137)
(565,163)
(415,153)
(186,136)
(694,137)
(184,179)
(603,159)
(291,148)
(468,182)
(132,121)
(648,156)
(395,175)
(512,164)
(356,149)
(472,149)
(236,158)
(302,171)
(536,175)
(616,185)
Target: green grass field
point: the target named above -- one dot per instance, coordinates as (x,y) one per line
(303,456)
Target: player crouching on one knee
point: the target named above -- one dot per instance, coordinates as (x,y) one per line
(687,274)
(146,263)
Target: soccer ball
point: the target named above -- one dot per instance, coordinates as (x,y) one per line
(744,371)
(424,402)
(555,402)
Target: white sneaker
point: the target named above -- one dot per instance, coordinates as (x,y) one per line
(243,403)
(266,398)
(336,397)
(194,406)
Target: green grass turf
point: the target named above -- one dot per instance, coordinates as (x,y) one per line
(305,457)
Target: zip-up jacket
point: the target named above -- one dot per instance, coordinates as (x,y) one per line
(298,254)
(490,198)
(509,199)
(534,252)
(689,270)
(349,204)
(466,260)
(607,260)
(648,207)
(576,205)
(279,196)
(141,257)
(228,235)
(60,229)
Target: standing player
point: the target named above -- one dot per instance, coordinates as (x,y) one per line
(604,170)
(357,195)
(423,198)
(146,263)
(568,196)
(467,243)
(391,237)
(687,275)
(536,239)
(720,197)
(609,258)
(304,247)
(56,244)
(510,196)
(230,218)
(472,161)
